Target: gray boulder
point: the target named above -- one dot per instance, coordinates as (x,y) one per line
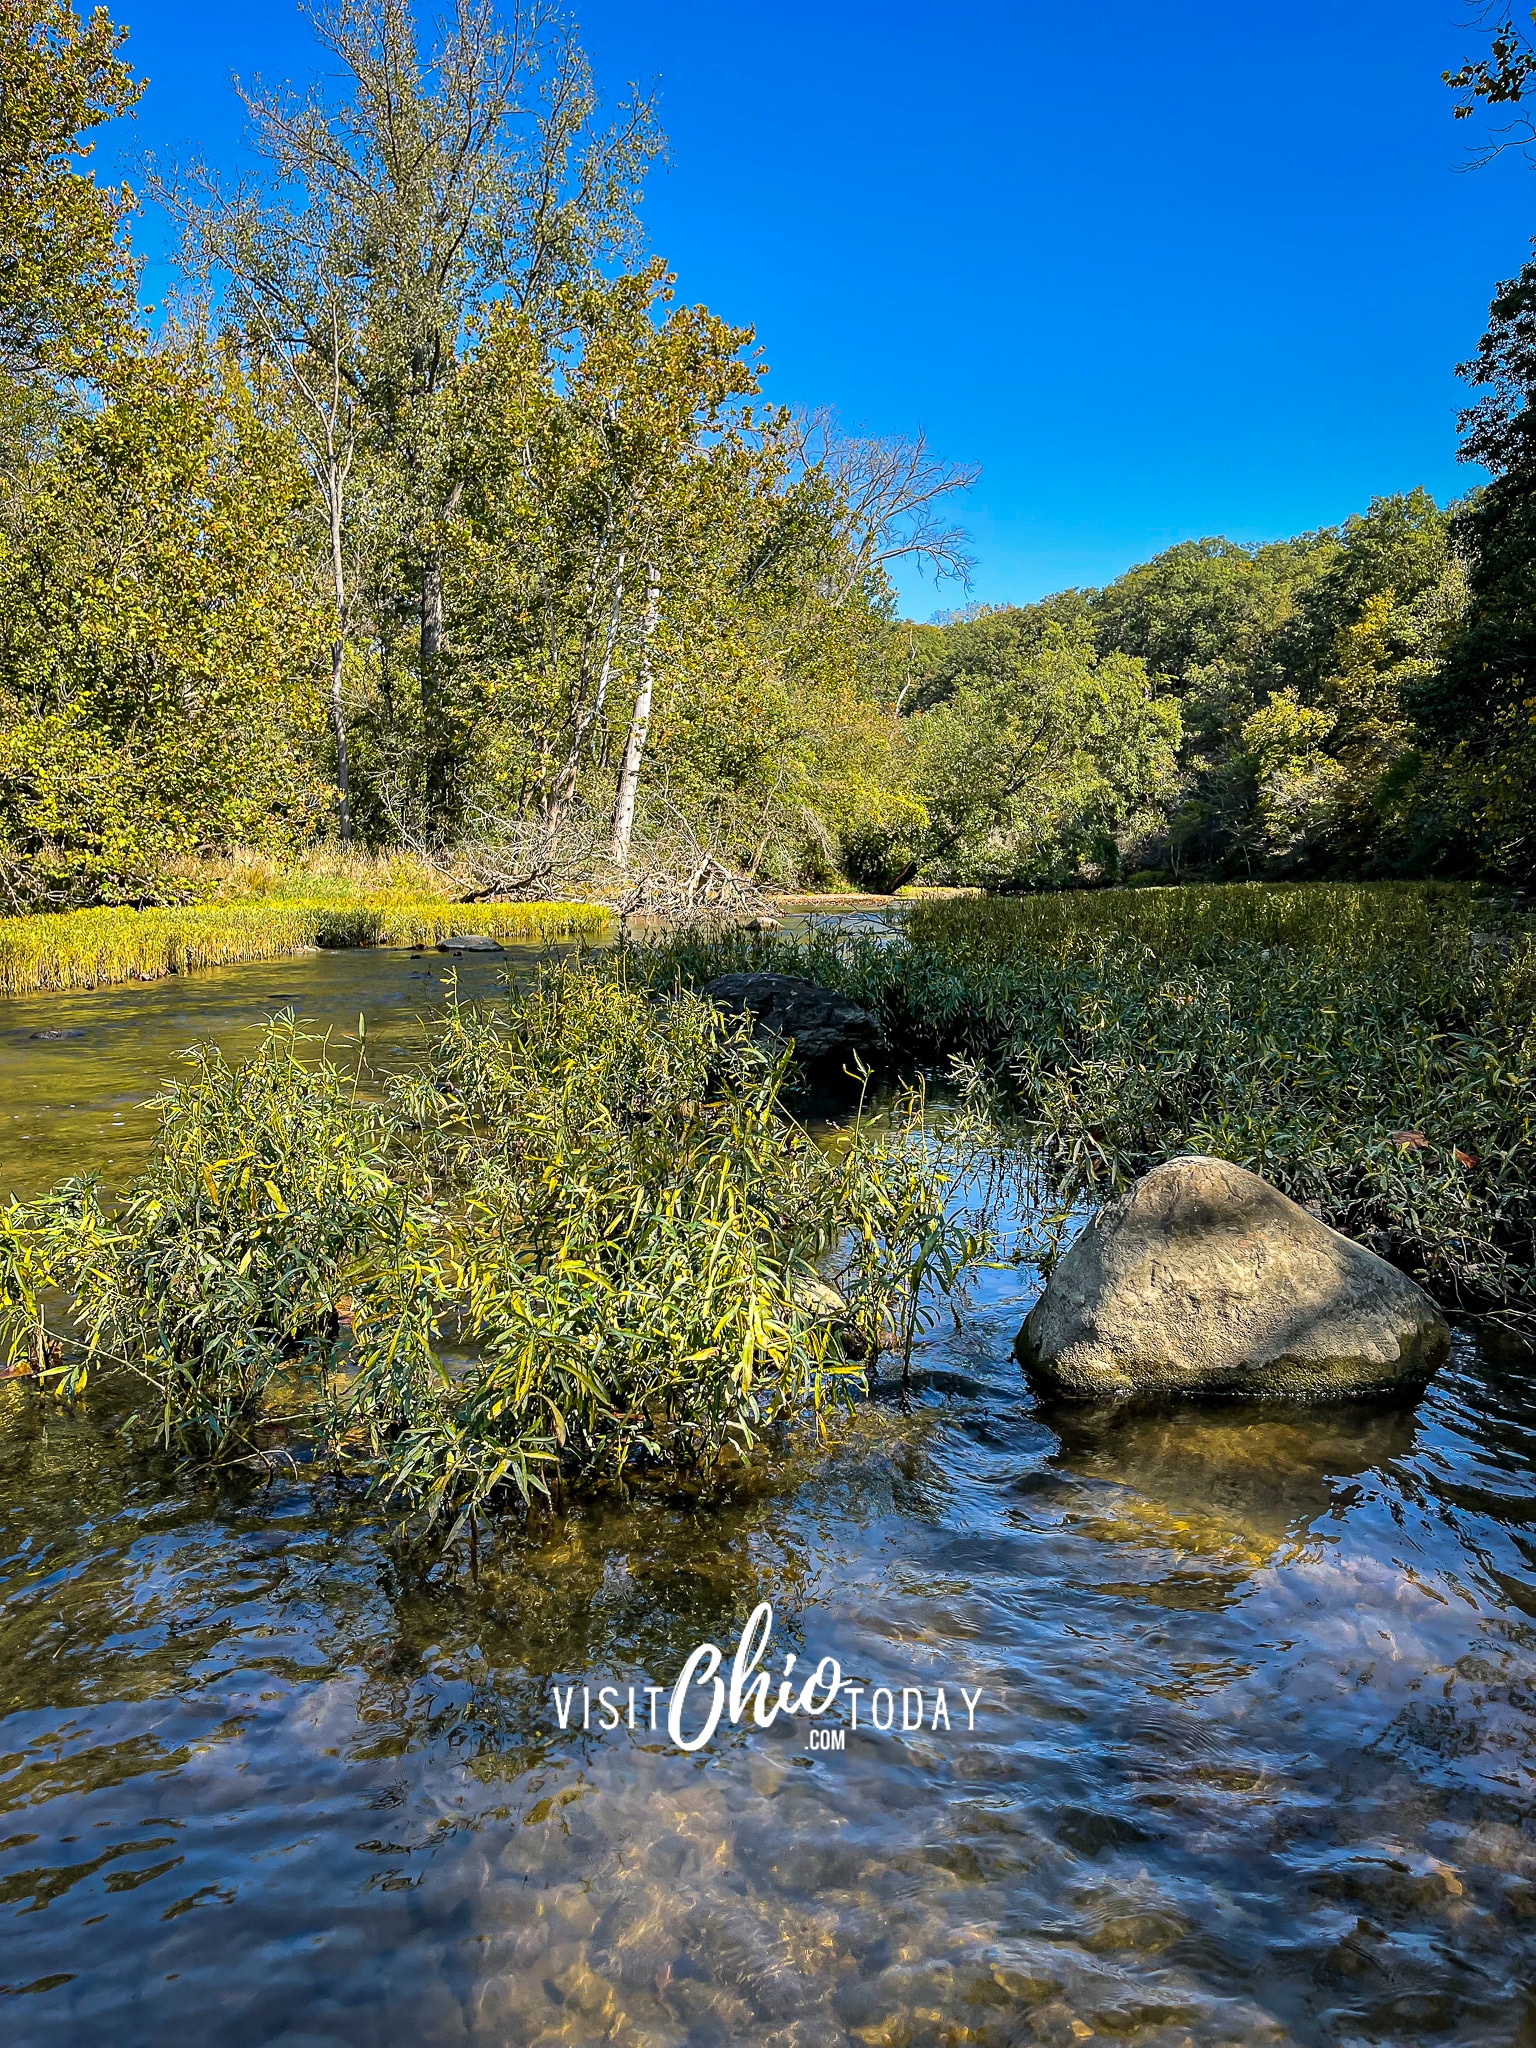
(469,942)
(1204,1279)
(824,1027)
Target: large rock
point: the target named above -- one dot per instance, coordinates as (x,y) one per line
(470,942)
(824,1027)
(1203,1278)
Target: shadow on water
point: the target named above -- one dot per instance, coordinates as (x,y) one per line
(1253,1760)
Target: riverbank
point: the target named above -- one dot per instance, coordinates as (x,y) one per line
(86,949)
(1369,1048)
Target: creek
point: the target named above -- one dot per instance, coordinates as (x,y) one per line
(1254,1759)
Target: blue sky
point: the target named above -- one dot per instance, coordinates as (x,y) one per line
(1163,272)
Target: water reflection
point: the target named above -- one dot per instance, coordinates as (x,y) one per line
(78,1066)
(74,1104)
(264,1774)
(1222,1489)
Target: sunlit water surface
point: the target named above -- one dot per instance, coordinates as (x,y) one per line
(1254,1761)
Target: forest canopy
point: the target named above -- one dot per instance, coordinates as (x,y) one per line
(436,517)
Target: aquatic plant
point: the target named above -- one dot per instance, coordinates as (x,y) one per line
(582,1236)
(219,1272)
(1370,1049)
(93,948)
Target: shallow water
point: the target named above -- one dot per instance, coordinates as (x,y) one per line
(1253,1763)
(75,1103)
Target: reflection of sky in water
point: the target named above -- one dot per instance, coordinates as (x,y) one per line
(1255,1764)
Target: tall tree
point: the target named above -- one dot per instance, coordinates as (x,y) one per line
(1478,706)
(67,282)
(155,635)
(611,495)
(296,292)
(435,184)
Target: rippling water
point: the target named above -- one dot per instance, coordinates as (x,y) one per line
(1254,1761)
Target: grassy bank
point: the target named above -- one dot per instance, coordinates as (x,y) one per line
(1371,1049)
(84,949)
(582,1237)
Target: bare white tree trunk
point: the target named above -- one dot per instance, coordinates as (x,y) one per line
(639,726)
(565,783)
(334,489)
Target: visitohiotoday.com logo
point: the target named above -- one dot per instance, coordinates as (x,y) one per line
(701,1699)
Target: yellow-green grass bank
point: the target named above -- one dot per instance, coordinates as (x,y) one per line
(83,949)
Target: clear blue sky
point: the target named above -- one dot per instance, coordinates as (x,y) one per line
(1163,272)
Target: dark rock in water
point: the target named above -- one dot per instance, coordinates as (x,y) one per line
(54,1037)
(469,942)
(823,1026)
(1203,1278)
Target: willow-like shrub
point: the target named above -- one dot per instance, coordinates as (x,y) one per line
(1370,1048)
(582,1236)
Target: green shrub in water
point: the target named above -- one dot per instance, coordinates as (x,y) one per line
(583,1236)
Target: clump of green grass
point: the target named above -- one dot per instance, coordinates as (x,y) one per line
(582,1237)
(1361,919)
(85,949)
(1370,1049)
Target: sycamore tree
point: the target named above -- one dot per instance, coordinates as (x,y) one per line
(648,597)
(605,481)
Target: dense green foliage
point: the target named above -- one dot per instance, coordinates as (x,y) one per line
(447,526)
(1296,681)
(155,630)
(66,282)
(584,1236)
(1369,1048)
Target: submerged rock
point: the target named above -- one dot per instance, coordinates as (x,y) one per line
(469,942)
(56,1037)
(1203,1278)
(819,1298)
(824,1027)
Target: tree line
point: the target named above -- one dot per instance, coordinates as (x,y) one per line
(429,516)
